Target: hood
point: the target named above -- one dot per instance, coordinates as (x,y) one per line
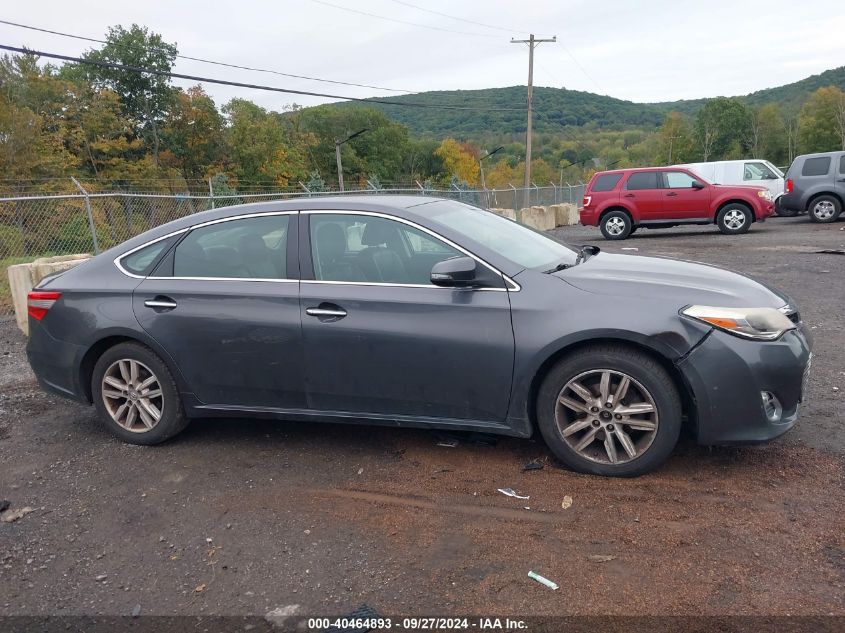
(681,282)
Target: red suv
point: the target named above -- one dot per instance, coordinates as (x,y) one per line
(621,201)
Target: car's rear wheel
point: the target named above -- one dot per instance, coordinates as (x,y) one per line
(734,219)
(616,225)
(825,209)
(135,395)
(609,410)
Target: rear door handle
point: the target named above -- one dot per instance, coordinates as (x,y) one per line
(671,193)
(326,311)
(629,195)
(160,303)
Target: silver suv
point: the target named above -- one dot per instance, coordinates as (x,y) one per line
(815,183)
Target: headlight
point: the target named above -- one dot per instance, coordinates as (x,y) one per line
(766,195)
(765,324)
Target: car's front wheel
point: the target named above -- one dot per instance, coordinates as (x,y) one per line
(734,219)
(825,209)
(609,410)
(135,395)
(616,225)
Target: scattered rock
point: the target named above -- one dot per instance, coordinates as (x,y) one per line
(4,505)
(101,577)
(199,588)
(601,558)
(566,503)
(136,611)
(280,615)
(535,465)
(10,516)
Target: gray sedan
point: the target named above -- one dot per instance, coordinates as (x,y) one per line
(412,311)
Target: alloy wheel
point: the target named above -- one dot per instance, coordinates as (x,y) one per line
(615,226)
(606,416)
(734,219)
(132,395)
(824,210)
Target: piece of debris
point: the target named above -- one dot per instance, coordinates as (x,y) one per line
(10,516)
(510,492)
(630,248)
(360,471)
(280,615)
(601,558)
(199,588)
(566,503)
(831,251)
(208,540)
(4,505)
(136,611)
(836,388)
(448,443)
(542,580)
(101,577)
(535,465)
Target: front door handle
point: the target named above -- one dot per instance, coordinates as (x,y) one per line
(326,311)
(671,193)
(629,195)
(160,303)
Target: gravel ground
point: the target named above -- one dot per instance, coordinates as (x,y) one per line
(242,516)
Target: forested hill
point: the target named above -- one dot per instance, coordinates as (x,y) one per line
(558,106)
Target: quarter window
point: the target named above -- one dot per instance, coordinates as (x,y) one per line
(249,248)
(642,180)
(606,182)
(842,165)
(363,248)
(677,180)
(816,166)
(142,261)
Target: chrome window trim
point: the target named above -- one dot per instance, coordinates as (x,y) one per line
(199,226)
(512,285)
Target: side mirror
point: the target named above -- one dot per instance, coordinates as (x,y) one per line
(696,184)
(457,272)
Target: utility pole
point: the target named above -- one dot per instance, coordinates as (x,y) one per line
(532,42)
(337,145)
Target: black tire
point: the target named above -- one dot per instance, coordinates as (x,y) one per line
(783,212)
(825,209)
(726,219)
(172,418)
(649,375)
(616,225)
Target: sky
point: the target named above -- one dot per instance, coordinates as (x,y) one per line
(645,51)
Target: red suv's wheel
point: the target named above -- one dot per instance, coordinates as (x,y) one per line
(616,225)
(734,219)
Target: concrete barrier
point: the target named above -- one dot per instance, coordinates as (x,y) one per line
(566,214)
(24,277)
(510,214)
(540,218)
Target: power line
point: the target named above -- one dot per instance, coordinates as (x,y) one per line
(454,17)
(398,21)
(238,84)
(210,61)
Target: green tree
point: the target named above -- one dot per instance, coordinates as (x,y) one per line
(193,135)
(821,123)
(146,98)
(676,140)
(773,134)
(721,128)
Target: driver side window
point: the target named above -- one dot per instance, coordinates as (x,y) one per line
(371,249)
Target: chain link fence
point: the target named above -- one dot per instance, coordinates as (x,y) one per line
(34,226)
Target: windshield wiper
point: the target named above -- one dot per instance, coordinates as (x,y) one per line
(586,252)
(559,267)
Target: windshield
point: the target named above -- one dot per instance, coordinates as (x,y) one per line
(518,243)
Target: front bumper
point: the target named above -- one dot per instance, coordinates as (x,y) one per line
(727,374)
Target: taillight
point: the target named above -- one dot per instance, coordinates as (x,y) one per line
(789,185)
(38,303)
(587,200)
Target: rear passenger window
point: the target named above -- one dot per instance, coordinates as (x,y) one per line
(842,164)
(816,166)
(642,180)
(249,248)
(606,182)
